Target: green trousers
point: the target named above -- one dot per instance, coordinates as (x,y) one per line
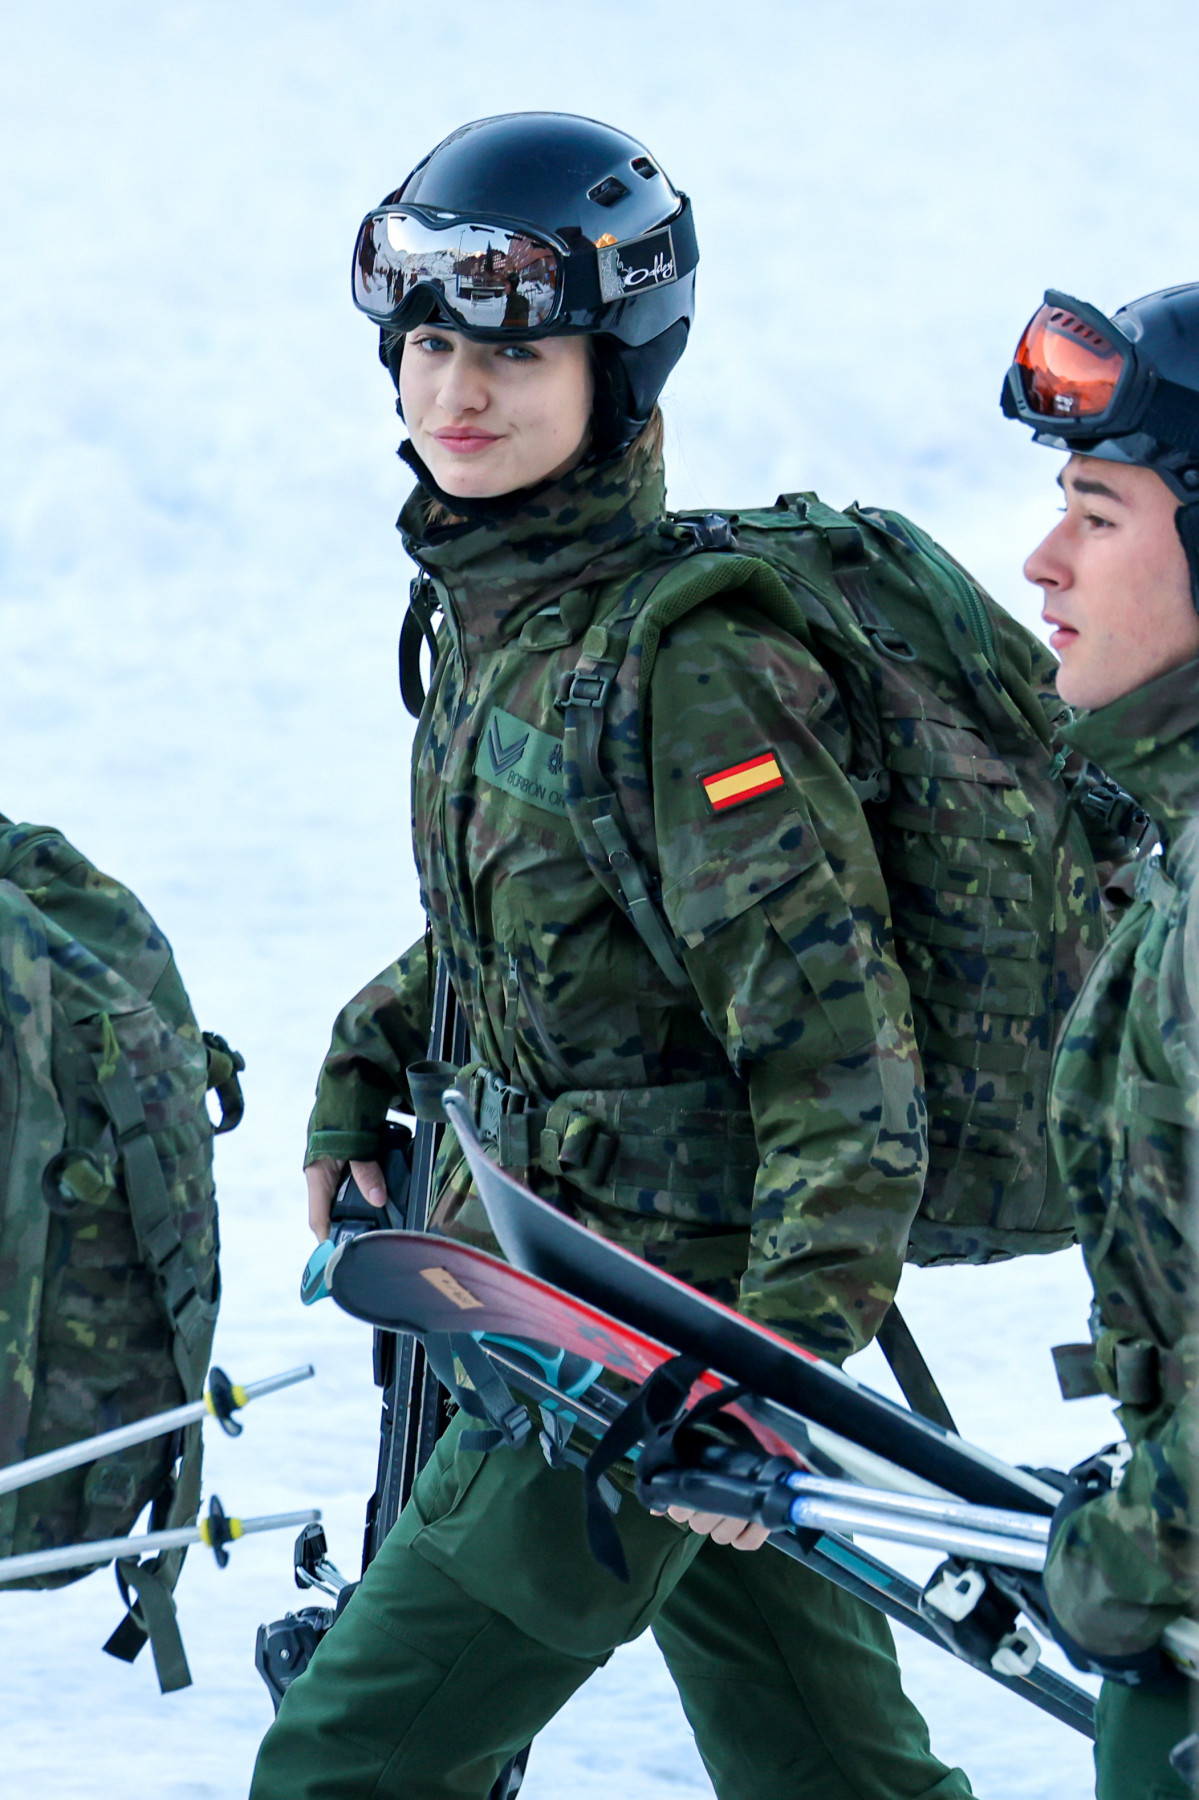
(484,1612)
(1134,1736)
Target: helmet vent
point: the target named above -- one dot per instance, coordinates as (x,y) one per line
(608,191)
(641,165)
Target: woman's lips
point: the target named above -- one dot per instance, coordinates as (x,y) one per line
(466,443)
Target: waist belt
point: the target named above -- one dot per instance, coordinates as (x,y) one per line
(1134,1371)
(690,1139)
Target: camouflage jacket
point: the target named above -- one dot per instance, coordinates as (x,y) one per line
(758,1131)
(1124,1108)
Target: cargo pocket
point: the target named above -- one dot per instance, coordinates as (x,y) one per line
(808,990)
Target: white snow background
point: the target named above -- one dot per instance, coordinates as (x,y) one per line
(200,591)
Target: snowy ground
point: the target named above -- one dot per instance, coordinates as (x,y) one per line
(200,590)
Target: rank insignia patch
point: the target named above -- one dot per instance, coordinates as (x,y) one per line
(744,781)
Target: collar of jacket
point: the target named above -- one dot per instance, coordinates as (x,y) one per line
(1148,741)
(595,525)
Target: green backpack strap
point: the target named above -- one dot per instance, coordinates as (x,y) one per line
(154,1225)
(32,1128)
(224,1067)
(653,599)
(152,1616)
(595,811)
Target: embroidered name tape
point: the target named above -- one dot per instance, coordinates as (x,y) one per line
(729,787)
(523,761)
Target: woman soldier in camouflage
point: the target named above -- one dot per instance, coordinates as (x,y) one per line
(1120,576)
(741,1106)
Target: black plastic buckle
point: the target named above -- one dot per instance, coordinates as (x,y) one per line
(495,1100)
(582,688)
(711,531)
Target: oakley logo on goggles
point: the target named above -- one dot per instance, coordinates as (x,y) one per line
(488,277)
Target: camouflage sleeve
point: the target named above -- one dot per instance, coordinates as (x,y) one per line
(375,1038)
(1179,978)
(770,879)
(1122,1567)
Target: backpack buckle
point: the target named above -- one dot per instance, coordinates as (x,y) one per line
(583,687)
(711,531)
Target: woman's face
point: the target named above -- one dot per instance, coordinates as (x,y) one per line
(1116,584)
(487,419)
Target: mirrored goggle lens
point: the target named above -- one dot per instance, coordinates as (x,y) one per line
(486,276)
(1068,369)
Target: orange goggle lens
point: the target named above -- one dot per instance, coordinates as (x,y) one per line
(1069,370)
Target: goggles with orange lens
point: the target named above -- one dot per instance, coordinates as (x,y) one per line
(1076,375)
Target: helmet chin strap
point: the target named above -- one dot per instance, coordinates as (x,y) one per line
(1186,523)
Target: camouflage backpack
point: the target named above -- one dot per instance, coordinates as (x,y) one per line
(986,838)
(108,1224)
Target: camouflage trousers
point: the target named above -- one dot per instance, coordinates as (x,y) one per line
(484,1612)
(1135,1734)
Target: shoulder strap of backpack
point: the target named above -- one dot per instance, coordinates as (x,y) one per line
(704,567)
(595,811)
(152,1614)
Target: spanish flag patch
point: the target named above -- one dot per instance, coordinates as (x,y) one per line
(729,787)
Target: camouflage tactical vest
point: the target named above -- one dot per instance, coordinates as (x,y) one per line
(978,824)
(108,1226)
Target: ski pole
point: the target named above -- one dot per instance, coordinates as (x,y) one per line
(944,1512)
(221,1401)
(217,1530)
(813,1514)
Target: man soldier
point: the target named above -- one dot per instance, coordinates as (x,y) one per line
(1120,576)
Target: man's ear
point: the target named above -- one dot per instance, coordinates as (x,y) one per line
(1186,523)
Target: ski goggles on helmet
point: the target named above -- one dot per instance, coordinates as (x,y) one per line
(493,278)
(484,277)
(1079,380)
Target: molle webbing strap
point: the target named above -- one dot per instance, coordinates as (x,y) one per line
(190,1319)
(154,1223)
(847,550)
(152,1615)
(1132,1371)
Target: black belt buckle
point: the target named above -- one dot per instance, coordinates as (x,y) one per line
(494,1098)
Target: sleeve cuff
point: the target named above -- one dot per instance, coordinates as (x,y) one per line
(361,1146)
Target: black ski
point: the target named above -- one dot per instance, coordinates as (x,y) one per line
(539,1239)
(438,1287)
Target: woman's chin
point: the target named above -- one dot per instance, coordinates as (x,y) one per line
(463,480)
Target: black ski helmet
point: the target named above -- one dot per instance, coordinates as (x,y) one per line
(533,225)
(1124,389)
